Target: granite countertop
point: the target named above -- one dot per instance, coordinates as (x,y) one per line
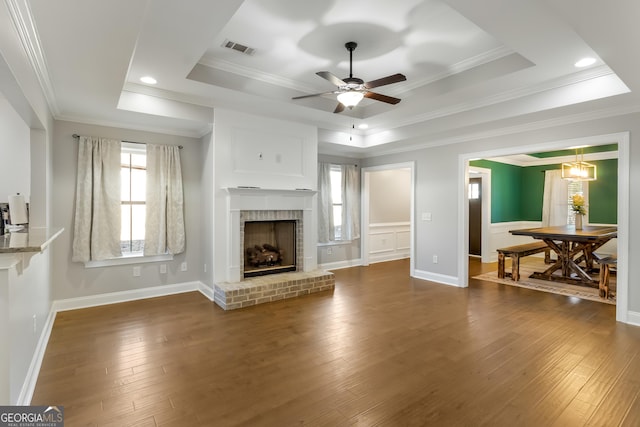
(29,240)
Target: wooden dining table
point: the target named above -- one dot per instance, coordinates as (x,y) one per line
(574,250)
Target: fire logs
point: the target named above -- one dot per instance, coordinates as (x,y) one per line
(265,255)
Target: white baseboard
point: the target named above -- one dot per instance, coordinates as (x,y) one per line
(29,385)
(394,256)
(124,296)
(435,277)
(633,318)
(206,291)
(341,264)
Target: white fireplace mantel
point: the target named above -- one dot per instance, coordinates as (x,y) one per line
(303,192)
(255,198)
(260,199)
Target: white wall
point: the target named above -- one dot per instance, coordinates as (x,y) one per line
(389,196)
(26,290)
(30,301)
(72,279)
(206,211)
(267,153)
(437,190)
(31,295)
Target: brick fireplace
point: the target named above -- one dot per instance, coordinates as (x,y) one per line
(250,205)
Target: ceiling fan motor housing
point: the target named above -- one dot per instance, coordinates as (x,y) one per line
(353,83)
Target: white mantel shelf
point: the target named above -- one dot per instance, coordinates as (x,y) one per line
(257,191)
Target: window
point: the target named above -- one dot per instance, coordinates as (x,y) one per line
(576,187)
(338,203)
(336,195)
(474,190)
(133,198)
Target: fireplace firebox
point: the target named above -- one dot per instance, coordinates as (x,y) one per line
(269,247)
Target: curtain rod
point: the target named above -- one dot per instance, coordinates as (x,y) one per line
(75,135)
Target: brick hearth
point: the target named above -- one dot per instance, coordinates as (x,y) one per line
(263,289)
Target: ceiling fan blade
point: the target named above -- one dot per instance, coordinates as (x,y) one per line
(339,108)
(380,97)
(395,78)
(333,79)
(315,94)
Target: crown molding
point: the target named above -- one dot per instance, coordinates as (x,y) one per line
(505,96)
(252,73)
(509,130)
(525,160)
(458,67)
(185,98)
(196,133)
(23,22)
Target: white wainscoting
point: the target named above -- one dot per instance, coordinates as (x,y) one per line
(389,241)
(499,237)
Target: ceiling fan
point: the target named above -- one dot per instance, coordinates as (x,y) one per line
(352,89)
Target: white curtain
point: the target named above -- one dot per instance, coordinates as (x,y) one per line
(96,230)
(164,225)
(554,199)
(350,202)
(326,228)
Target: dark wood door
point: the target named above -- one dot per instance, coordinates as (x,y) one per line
(475,216)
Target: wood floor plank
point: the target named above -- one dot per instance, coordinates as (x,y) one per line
(382,349)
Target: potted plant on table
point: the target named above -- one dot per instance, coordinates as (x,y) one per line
(577,205)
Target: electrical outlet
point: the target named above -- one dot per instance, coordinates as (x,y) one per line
(205,268)
(426,216)
(163,268)
(435,259)
(183,266)
(35,324)
(136,271)
(329,251)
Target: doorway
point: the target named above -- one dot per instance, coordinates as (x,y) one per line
(623,141)
(482,222)
(387,235)
(475,216)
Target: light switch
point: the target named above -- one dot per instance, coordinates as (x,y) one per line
(426,216)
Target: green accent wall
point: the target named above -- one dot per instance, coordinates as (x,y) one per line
(603,193)
(506,184)
(516,192)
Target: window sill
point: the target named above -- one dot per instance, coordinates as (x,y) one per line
(337,243)
(128,259)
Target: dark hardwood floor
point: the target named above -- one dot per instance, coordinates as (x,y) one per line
(382,349)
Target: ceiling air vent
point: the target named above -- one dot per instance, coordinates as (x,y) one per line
(239,47)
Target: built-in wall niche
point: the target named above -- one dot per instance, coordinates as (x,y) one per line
(269,247)
(15,146)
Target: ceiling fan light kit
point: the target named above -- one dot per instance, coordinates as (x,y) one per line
(352,89)
(350,99)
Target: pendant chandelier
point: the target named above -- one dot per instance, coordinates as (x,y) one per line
(579,170)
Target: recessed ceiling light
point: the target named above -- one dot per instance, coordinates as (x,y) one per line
(363,126)
(585,62)
(148,80)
